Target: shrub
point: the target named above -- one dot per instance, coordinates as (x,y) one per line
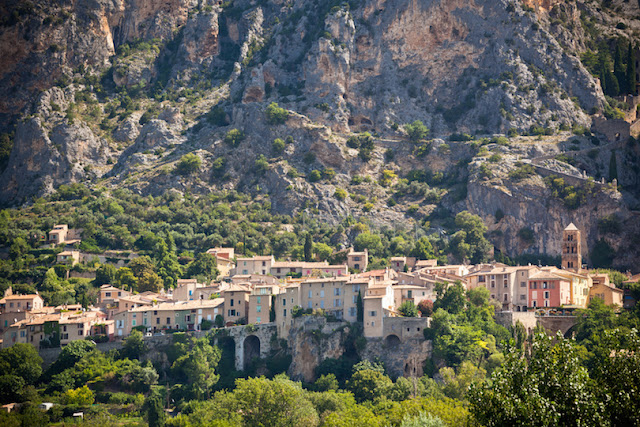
(188,164)
(234,137)
(340,194)
(328,174)
(261,165)
(416,131)
(522,171)
(315,176)
(276,115)
(278,146)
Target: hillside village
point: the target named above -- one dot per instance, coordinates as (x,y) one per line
(259,290)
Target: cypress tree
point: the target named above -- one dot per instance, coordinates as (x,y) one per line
(359,308)
(613,167)
(619,69)
(631,71)
(308,248)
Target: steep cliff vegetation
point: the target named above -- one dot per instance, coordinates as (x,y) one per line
(383,111)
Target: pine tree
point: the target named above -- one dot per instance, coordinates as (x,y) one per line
(631,71)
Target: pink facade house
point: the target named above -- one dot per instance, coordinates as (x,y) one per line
(547,289)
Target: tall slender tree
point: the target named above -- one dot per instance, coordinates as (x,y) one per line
(619,69)
(631,70)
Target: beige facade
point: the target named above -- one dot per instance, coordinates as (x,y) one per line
(182,315)
(185,289)
(288,298)
(236,303)
(260,303)
(415,294)
(280,269)
(358,261)
(507,285)
(255,265)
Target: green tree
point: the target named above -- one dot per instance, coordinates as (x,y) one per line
(19,248)
(105,274)
(21,360)
(276,115)
(548,386)
(188,164)
(631,70)
(125,279)
(133,345)
(322,251)
(478,296)
(416,131)
(360,308)
(450,298)
(141,265)
(234,137)
(408,309)
(81,396)
(150,281)
(619,69)
(613,166)
(368,385)
(154,410)
(371,242)
(423,249)
(308,248)
(278,146)
(470,242)
(203,265)
(198,367)
(279,402)
(422,420)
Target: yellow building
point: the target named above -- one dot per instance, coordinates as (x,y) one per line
(602,288)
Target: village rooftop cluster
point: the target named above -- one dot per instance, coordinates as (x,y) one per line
(260,289)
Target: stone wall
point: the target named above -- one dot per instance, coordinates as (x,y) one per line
(405,327)
(509,318)
(553,324)
(612,129)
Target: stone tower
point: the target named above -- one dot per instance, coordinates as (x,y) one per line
(571,248)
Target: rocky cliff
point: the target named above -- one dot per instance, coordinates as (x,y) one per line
(118,91)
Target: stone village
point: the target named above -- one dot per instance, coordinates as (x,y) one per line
(267,295)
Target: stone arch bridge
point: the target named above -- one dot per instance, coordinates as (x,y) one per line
(249,342)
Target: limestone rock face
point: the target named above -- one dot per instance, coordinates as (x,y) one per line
(39,162)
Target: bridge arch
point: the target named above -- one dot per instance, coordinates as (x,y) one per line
(251,349)
(392,341)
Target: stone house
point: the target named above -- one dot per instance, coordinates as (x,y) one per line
(605,290)
(255,265)
(358,261)
(236,303)
(261,300)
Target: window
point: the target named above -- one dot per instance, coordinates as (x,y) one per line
(356,258)
(80,332)
(409,294)
(231,304)
(232,312)
(258,300)
(355,299)
(284,312)
(284,302)
(107,294)
(258,309)
(546,294)
(309,304)
(535,304)
(155,312)
(356,289)
(372,313)
(133,322)
(144,321)
(258,320)
(523,297)
(336,291)
(322,294)
(168,320)
(544,285)
(493,284)
(336,303)
(188,318)
(310,294)
(322,304)
(352,311)
(523,284)
(157,320)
